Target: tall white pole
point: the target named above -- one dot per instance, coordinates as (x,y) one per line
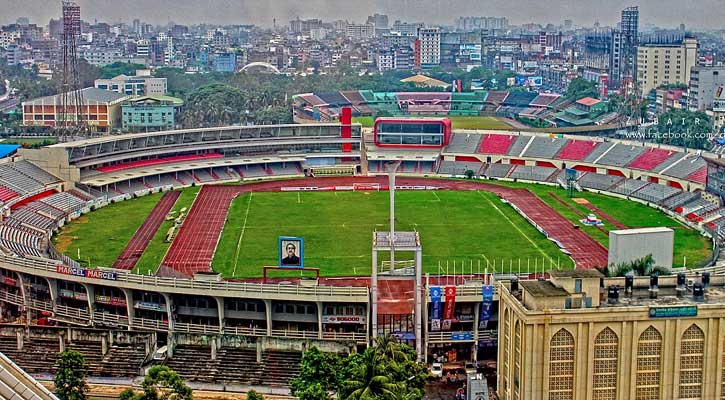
(391,189)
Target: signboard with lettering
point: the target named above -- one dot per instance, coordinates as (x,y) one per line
(145,305)
(86,273)
(343,319)
(673,312)
(461,336)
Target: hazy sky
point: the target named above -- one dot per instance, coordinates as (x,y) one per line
(666,13)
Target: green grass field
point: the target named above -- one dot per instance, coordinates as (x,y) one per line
(458,122)
(463,226)
(100,236)
(466,227)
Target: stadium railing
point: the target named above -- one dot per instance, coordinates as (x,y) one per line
(447,337)
(224,288)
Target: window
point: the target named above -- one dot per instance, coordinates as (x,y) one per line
(561,366)
(606,353)
(692,349)
(517,360)
(649,351)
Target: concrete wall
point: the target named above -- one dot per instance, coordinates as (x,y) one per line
(630,244)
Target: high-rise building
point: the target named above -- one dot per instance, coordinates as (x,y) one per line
(466,24)
(704,82)
(664,64)
(379,20)
(429,40)
(360,31)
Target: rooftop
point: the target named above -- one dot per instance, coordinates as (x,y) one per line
(543,289)
(588,101)
(422,80)
(90,94)
(575,273)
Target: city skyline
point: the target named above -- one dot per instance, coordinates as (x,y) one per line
(668,13)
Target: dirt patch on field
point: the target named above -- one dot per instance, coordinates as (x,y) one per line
(65,238)
(579,200)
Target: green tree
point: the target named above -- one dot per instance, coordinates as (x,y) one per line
(469,174)
(163,383)
(253,395)
(369,380)
(684,128)
(119,68)
(579,88)
(70,379)
(317,368)
(644,266)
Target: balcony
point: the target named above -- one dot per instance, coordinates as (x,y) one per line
(447,337)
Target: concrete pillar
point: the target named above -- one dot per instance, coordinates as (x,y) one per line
(419,339)
(259,351)
(24,294)
(110,338)
(20,340)
(367,325)
(169,311)
(476,318)
(130,311)
(268,315)
(318,304)
(374,296)
(104,345)
(213,345)
(53,286)
(90,292)
(220,312)
(171,345)
(61,343)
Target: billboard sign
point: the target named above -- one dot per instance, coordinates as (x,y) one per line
(535,81)
(291,252)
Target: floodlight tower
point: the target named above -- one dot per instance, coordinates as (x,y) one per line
(71,114)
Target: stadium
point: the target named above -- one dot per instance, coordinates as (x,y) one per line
(170,247)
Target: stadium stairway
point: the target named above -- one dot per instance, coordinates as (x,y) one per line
(279,367)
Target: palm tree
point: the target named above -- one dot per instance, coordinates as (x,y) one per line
(388,348)
(369,381)
(644,266)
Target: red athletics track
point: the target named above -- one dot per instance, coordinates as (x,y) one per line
(193,248)
(141,239)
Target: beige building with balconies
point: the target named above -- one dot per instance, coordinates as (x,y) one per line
(565,338)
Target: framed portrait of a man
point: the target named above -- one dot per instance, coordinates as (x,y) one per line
(291,252)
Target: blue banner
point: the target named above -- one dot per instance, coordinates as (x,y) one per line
(436,309)
(486,305)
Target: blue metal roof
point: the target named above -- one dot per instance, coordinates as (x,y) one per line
(7,149)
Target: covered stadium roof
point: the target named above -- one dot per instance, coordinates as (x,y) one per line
(90,95)
(7,149)
(422,80)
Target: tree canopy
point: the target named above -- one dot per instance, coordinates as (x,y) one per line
(644,266)
(580,87)
(160,383)
(385,371)
(70,379)
(684,128)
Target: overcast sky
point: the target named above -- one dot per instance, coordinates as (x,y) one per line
(666,13)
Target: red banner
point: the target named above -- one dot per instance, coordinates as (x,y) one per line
(450,302)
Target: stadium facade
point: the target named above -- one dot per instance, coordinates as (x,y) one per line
(42,189)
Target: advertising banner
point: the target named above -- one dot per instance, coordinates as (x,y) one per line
(435,308)
(448,311)
(486,305)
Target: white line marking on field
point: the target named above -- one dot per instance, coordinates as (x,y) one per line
(436,195)
(241,235)
(299,200)
(515,227)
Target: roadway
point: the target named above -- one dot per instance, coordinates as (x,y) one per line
(7,103)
